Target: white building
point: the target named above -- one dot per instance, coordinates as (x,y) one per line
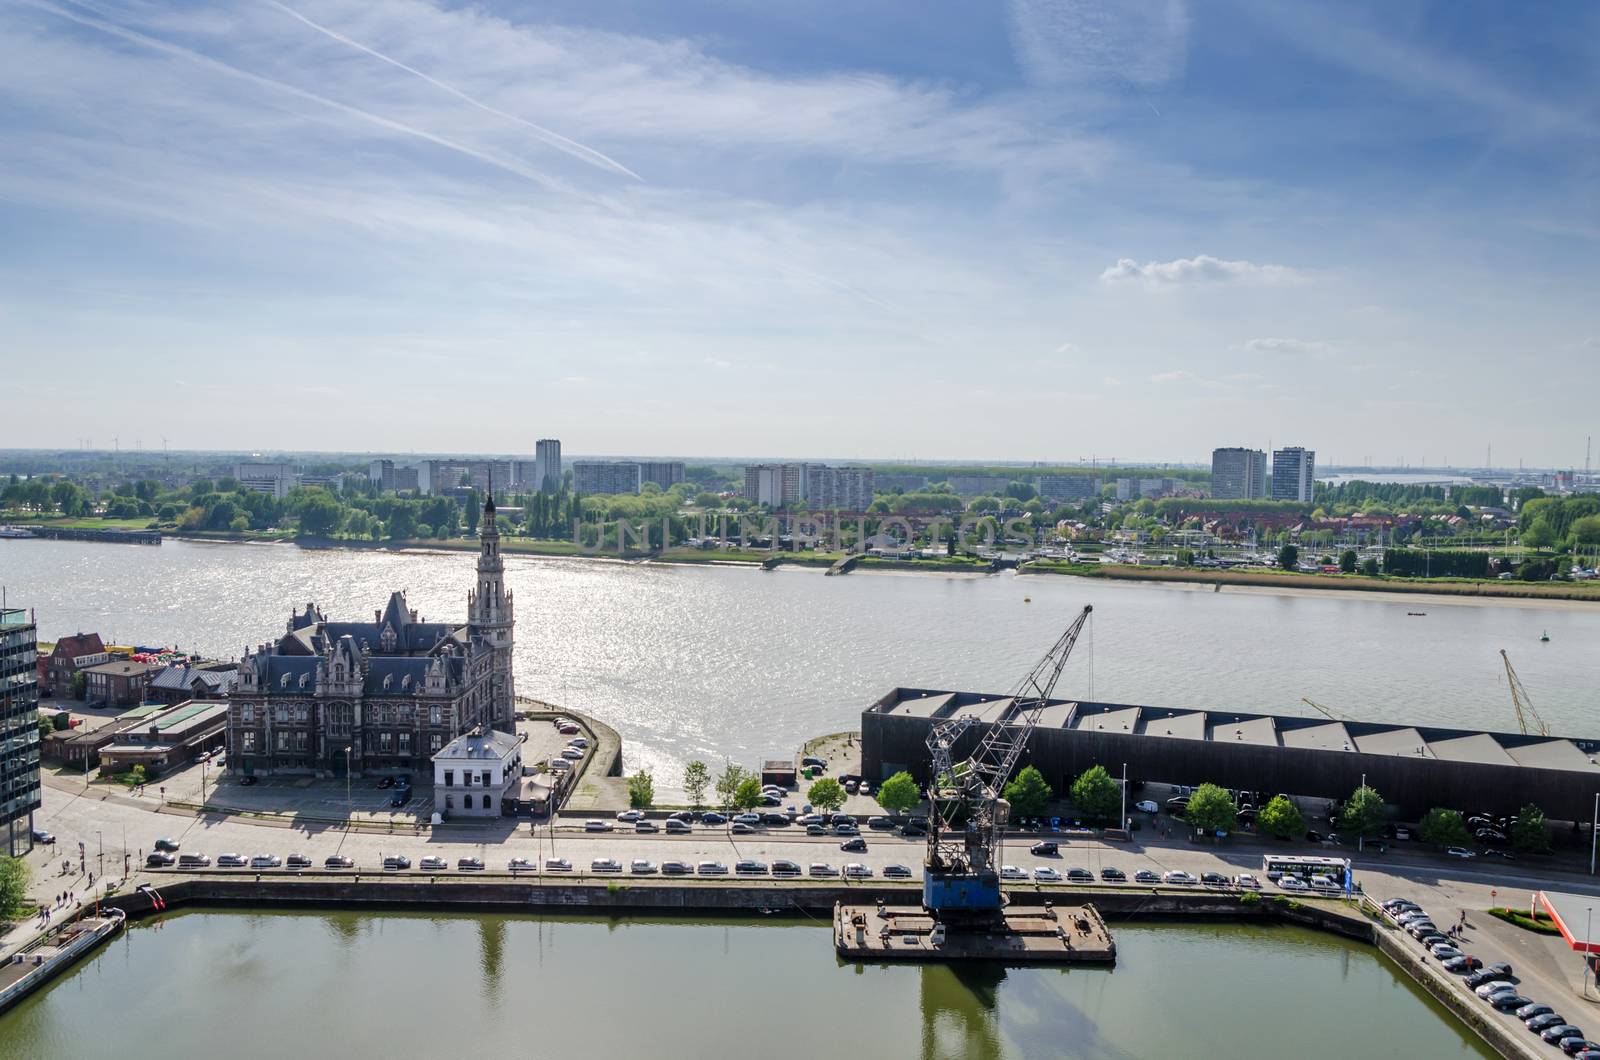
(1294,474)
(547,465)
(275,480)
(1238,474)
(474,773)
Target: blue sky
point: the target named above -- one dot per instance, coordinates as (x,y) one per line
(1045,230)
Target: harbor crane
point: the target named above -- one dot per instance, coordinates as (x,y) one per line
(961,879)
(1527,718)
(1327,712)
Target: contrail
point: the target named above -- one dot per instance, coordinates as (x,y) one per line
(135,37)
(554,139)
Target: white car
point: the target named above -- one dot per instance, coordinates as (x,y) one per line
(1146,806)
(265,861)
(433,863)
(711,868)
(596,825)
(605,865)
(631,815)
(1011,872)
(557,865)
(857,871)
(519,865)
(1293,883)
(1177,876)
(1045,874)
(1459,852)
(571,752)
(819,868)
(642,867)
(1246,880)
(579,742)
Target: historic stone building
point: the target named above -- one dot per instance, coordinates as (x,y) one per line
(381,695)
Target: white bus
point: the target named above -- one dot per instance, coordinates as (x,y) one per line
(1304,865)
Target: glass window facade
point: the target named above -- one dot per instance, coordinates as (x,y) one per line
(19,730)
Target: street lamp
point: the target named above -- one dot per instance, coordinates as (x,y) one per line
(1587,927)
(349,808)
(100,856)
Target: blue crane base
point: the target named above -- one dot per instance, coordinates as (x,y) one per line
(960,892)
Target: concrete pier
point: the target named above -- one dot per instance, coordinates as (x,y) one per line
(1043,935)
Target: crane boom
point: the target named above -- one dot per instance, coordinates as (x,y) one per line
(1527,718)
(968,812)
(1327,712)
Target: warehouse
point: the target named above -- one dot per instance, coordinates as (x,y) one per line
(1414,767)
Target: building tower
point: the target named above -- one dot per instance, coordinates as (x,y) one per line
(490,616)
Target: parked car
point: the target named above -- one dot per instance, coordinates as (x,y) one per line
(675,868)
(169,845)
(642,867)
(339,861)
(631,816)
(1145,876)
(857,871)
(841,818)
(1539,1023)
(775,820)
(1488,974)
(1046,874)
(469,864)
(159,859)
(432,863)
(819,868)
(846,829)
(750,867)
(1045,849)
(913,829)
(1560,1031)
(1458,852)
(1011,872)
(741,828)
(711,868)
(713,818)
(1462,965)
(516,865)
(854,846)
(266,861)
(1177,876)
(1247,881)
(557,865)
(1444,951)
(1112,874)
(814,762)
(1492,987)
(1215,879)
(297,861)
(1146,806)
(605,865)
(881,823)
(571,754)
(1080,876)
(43,838)
(751,819)
(897,872)
(1508,1000)
(396,862)
(401,797)
(809,818)
(816,829)
(384,783)
(1532,1009)
(231,861)
(193,860)
(596,825)
(782,868)
(677,827)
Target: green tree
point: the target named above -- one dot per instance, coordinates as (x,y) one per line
(898,794)
(1096,793)
(641,790)
(1540,534)
(826,795)
(696,779)
(1444,828)
(1281,818)
(747,796)
(1029,793)
(1288,557)
(319,513)
(1531,833)
(46,726)
(728,783)
(1347,561)
(1586,531)
(13,886)
(1211,809)
(1362,813)
(1369,567)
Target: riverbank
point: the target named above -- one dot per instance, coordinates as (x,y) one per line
(1583,592)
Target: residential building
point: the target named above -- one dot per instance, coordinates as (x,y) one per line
(664,473)
(453,478)
(391,479)
(606,476)
(1136,488)
(1060,489)
(905,483)
(160,737)
(1294,474)
(547,465)
(839,488)
(977,485)
(477,774)
(19,730)
(1238,474)
(388,694)
(70,655)
(275,480)
(775,485)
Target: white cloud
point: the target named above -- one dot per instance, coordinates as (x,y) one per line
(1063,41)
(1066,347)
(1177,376)
(1287,346)
(1200,269)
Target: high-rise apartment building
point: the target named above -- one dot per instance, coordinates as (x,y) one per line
(847,489)
(19,730)
(775,485)
(275,480)
(1294,474)
(606,476)
(664,473)
(1238,474)
(547,465)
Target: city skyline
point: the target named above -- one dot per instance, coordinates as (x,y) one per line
(713,229)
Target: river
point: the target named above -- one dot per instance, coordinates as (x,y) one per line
(691,661)
(394,984)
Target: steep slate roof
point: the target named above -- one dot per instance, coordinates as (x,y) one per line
(79,644)
(182,679)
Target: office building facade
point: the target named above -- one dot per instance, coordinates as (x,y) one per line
(19,730)
(845,489)
(1294,474)
(1238,474)
(606,476)
(546,465)
(275,480)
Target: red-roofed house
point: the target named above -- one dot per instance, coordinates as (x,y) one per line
(71,655)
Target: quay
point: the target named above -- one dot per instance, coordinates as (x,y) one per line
(1043,935)
(51,954)
(123,537)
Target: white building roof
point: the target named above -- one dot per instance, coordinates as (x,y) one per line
(478,747)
